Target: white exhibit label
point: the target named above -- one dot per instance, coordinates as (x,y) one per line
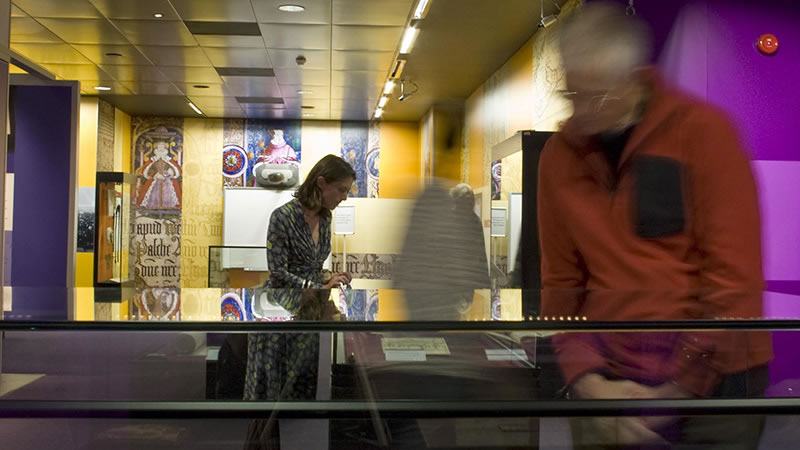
(344,220)
(405,355)
(504,354)
(498,222)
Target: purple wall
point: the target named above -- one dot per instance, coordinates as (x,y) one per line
(41,198)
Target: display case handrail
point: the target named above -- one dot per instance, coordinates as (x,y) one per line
(407,326)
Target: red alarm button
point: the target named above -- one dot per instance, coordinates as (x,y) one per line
(767,44)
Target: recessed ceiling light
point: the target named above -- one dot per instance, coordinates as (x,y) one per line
(307,107)
(382,102)
(102,88)
(378,113)
(158,15)
(114,54)
(292,8)
(201,86)
(301,92)
(308,115)
(195,108)
(409,36)
(389,87)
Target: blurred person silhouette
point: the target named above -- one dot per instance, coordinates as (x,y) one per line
(648,211)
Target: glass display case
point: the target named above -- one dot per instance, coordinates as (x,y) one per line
(112,262)
(328,375)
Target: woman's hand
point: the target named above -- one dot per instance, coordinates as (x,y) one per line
(337,279)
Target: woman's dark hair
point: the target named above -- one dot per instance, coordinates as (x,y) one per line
(332,168)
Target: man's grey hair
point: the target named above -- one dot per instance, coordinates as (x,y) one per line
(463,196)
(600,36)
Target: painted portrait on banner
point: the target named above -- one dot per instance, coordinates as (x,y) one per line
(373,161)
(355,141)
(157,304)
(158,152)
(497,179)
(270,142)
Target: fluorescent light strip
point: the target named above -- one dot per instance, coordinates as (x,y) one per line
(382,102)
(421,10)
(195,108)
(378,113)
(102,88)
(388,88)
(409,37)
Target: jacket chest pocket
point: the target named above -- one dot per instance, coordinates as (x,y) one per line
(658,198)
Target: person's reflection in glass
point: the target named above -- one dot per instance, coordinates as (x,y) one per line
(647,189)
(283,366)
(443,260)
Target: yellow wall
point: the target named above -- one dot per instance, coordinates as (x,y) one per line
(400,160)
(87,169)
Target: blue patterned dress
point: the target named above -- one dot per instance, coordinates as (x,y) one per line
(283,366)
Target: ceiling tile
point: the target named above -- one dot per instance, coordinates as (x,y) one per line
(152,105)
(347,37)
(363,106)
(345,92)
(195,75)
(139,9)
(216,40)
(87,87)
(215,102)
(50,53)
(316,104)
(316,12)
(316,92)
(85,31)
(253,86)
(370,12)
(361,60)
(224,113)
(237,57)
(286,59)
(358,78)
(98,54)
(27,30)
(215,10)
(213,90)
(176,56)
(156,32)
(308,77)
(296,36)
(78,71)
(79,9)
(150,88)
(16,12)
(135,73)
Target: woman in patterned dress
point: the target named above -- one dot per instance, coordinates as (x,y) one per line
(283,366)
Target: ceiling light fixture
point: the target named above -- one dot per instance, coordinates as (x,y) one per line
(382,102)
(545,22)
(389,87)
(308,115)
(114,54)
(201,86)
(378,113)
(302,92)
(409,37)
(422,9)
(403,94)
(291,8)
(195,108)
(102,88)
(158,15)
